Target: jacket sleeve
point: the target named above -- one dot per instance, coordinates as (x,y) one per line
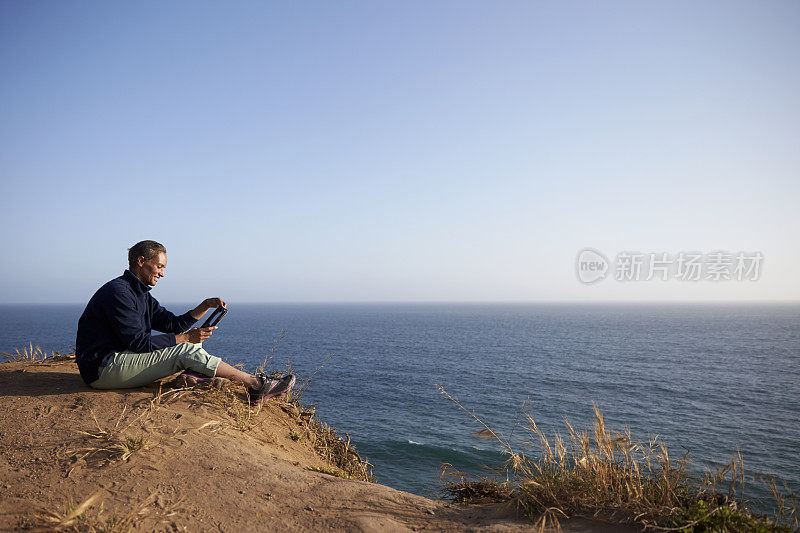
(166,321)
(128,327)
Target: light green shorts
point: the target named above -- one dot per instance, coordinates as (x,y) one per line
(124,370)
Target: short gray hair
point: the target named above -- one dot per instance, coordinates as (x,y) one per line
(146,249)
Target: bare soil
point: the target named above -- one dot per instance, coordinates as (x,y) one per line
(199,466)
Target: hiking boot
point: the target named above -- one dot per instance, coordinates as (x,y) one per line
(270,388)
(190,378)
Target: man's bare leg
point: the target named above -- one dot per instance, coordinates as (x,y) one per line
(224,370)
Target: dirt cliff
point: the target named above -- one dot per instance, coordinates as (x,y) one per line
(166,459)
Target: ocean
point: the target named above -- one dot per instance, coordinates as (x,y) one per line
(708,379)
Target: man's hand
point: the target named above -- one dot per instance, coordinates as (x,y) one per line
(205,305)
(195,335)
(213,302)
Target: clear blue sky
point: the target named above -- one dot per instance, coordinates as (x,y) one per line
(385,151)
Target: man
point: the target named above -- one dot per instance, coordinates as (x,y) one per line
(115,347)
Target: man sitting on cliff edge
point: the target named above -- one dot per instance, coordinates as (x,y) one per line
(115,347)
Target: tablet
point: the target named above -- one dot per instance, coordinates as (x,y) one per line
(215,317)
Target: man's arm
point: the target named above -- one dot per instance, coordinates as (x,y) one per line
(205,305)
(163,320)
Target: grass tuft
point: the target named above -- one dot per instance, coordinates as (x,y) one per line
(112,444)
(330,471)
(474,489)
(340,451)
(34,354)
(336,450)
(68,519)
(607,475)
(87,517)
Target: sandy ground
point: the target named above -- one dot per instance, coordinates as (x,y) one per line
(203,467)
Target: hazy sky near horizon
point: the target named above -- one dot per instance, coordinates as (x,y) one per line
(396,151)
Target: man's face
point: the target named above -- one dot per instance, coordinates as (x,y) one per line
(150,271)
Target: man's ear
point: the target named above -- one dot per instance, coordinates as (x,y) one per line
(140,260)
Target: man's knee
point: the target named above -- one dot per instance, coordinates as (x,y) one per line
(199,360)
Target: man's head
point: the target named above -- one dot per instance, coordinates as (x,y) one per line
(147,261)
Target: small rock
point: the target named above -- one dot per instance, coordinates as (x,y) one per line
(241,492)
(430,511)
(309,508)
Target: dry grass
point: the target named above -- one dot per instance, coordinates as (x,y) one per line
(786,505)
(607,475)
(70,519)
(271,352)
(330,471)
(112,444)
(339,451)
(233,400)
(34,354)
(88,517)
(336,450)
(302,384)
(474,489)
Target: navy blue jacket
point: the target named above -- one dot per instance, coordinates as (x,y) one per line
(120,316)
